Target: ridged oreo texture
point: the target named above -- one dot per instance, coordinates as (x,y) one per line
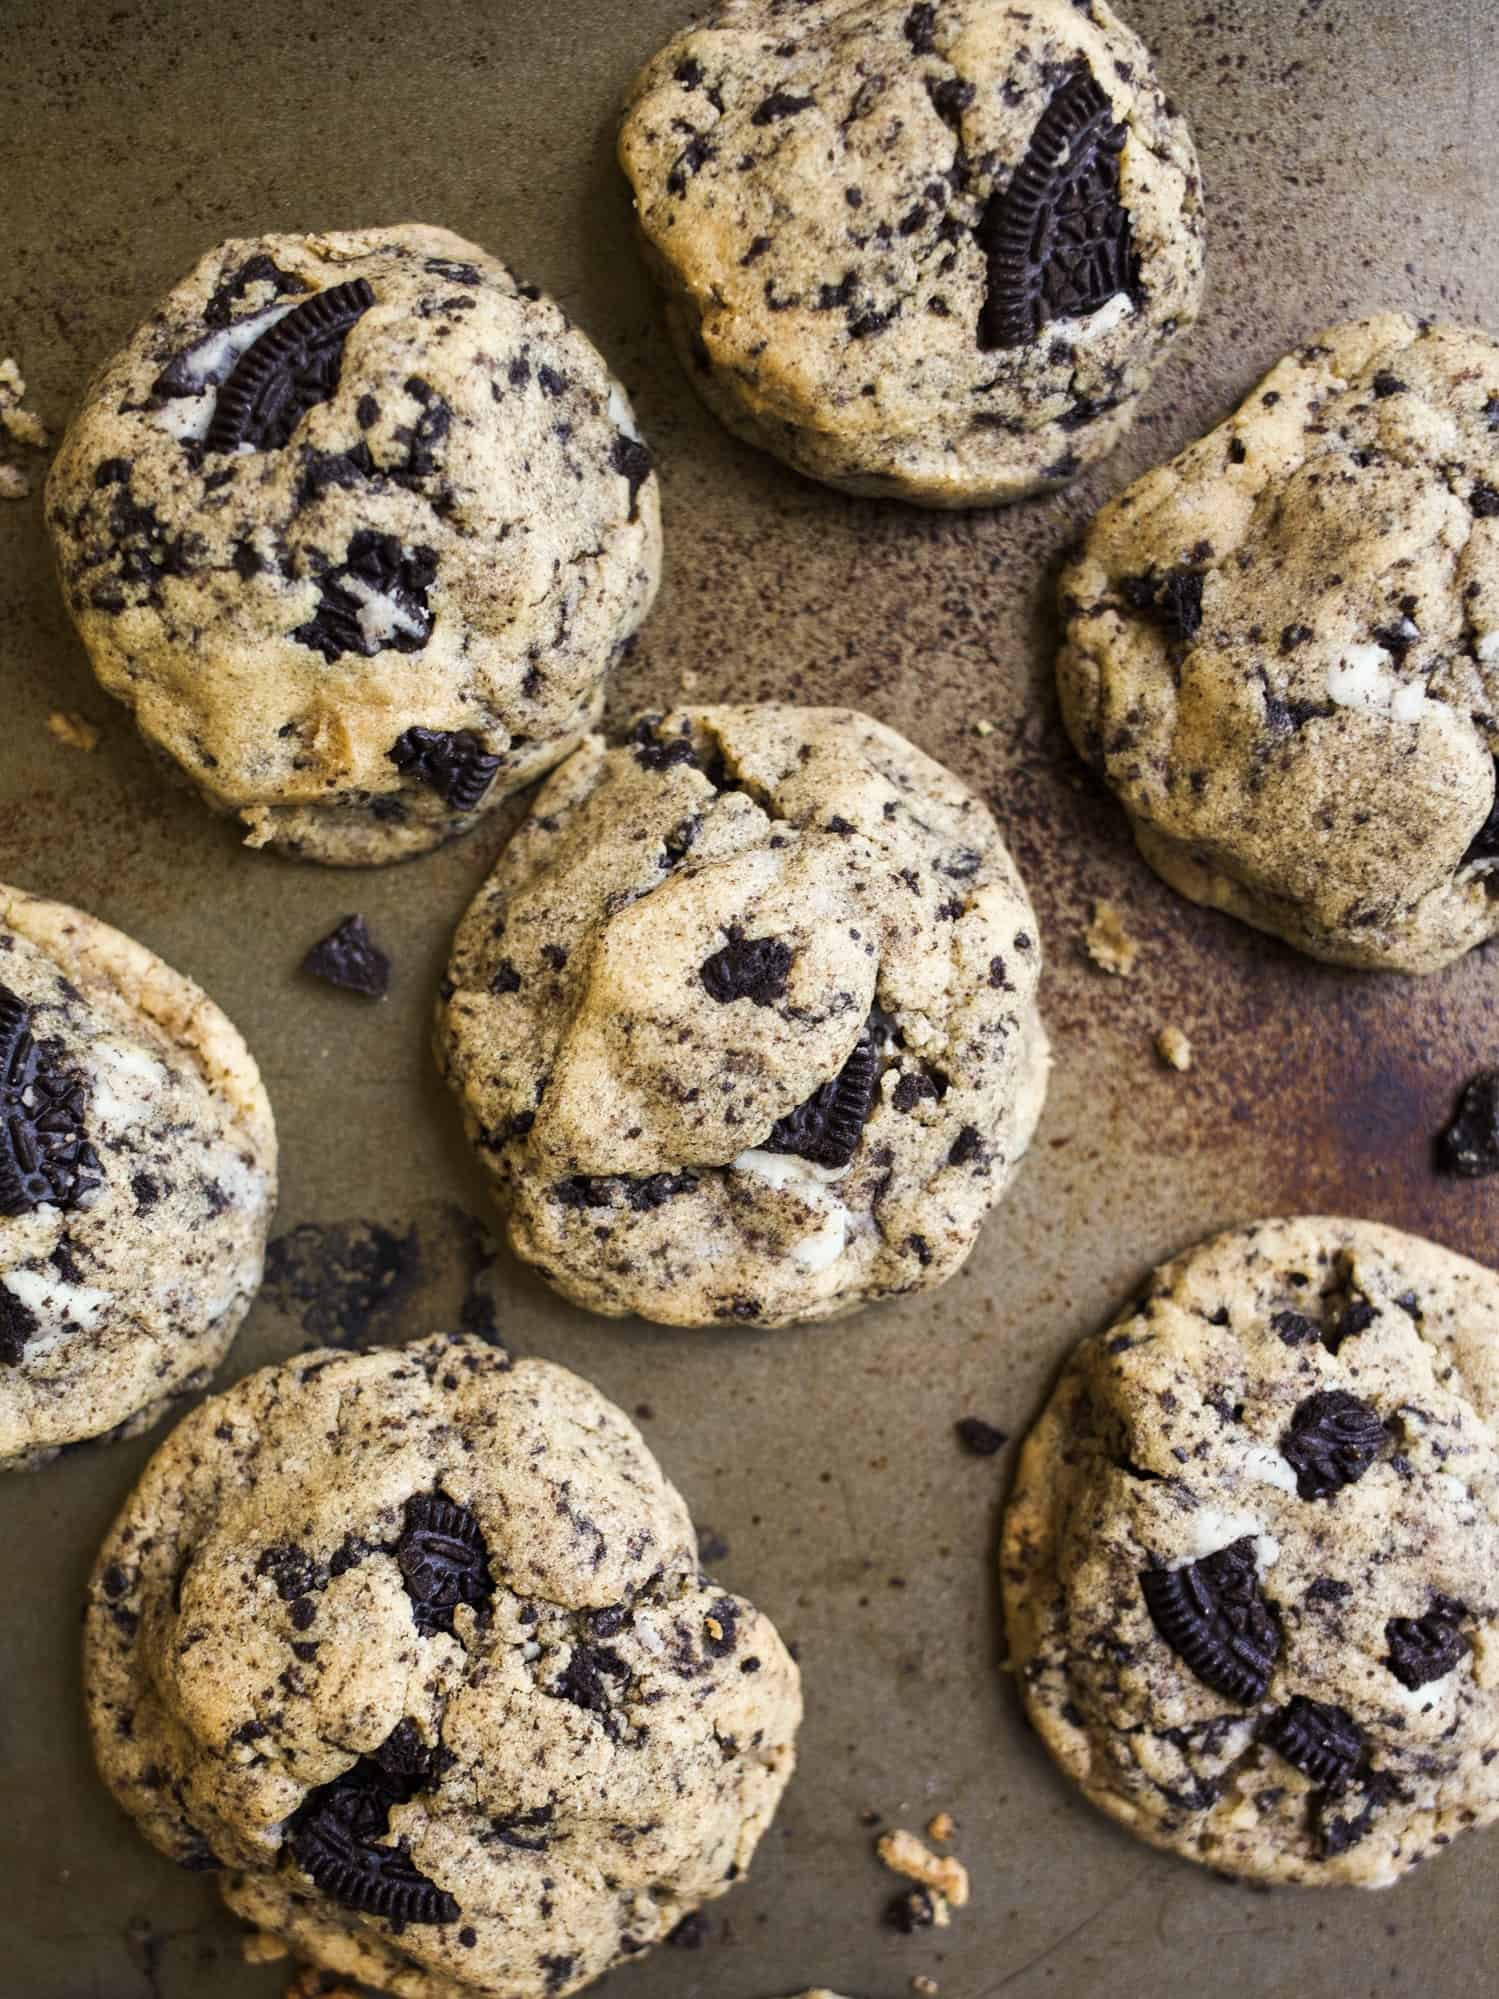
(929,251)
(1249,1560)
(744,1022)
(356,524)
(1281,650)
(137,1181)
(514,1735)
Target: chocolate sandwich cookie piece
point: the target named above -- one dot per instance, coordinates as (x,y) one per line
(1310,745)
(137,1180)
(931,253)
(1248,1559)
(516,1734)
(744,1023)
(349,957)
(356,524)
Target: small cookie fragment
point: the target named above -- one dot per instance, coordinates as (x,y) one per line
(259,1947)
(941,1828)
(1468,1148)
(19,426)
(74,731)
(14,485)
(349,957)
(1174,1049)
(979,1438)
(1273,1483)
(903,1853)
(1109,944)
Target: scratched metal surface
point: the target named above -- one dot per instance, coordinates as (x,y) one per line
(1348,158)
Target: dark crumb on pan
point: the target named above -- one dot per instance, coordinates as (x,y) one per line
(349,957)
(979,1437)
(1468,1148)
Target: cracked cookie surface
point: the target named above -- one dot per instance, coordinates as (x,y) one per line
(743,1023)
(1249,1561)
(414,1645)
(1281,650)
(137,1181)
(931,252)
(356,524)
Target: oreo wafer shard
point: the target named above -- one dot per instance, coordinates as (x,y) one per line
(45,1156)
(17,1324)
(1323,1742)
(1056,237)
(452,762)
(827,1128)
(442,1559)
(1332,1441)
(349,957)
(1215,1619)
(336,1836)
(752,968)
(292,366)
(374,600)
(1423,1649)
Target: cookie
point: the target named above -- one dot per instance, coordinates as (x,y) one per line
(1250,1559)
(744,1022)
(137,1181)
(356,525)
(1281,650)
(930,252)
(413,1645)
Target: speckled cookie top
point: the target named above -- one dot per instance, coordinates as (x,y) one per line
(355,524)
(744,1023)
(137,1179)
(1281,649)
(415,1643)
(932,250)
(1250,1559)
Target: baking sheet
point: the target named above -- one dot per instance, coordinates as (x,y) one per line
(1349,163)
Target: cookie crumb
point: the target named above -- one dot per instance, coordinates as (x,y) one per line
(313,1984)
(979,1437)
(983,726)
(687,680)
(14,485)
(1109,944)
(19,425)
(260,1947)
(349,957)
(927,1987)
(1468,1148)
(72,730)
(903,1853)
(941,1828)
(1174,1049)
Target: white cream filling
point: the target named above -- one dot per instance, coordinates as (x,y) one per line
(382,618)
(620,413)
(44,1292)
(809,1182)
(1215,1528)
(1267,1467)
(1487,647)
(208,366)
(125,1084)
(1362,678)
(1094,325)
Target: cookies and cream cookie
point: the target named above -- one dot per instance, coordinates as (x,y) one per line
(137,1181)
(1282,650)
(413,1645)
(926,251)
(356,524)
(743,1023)
(1250,1559)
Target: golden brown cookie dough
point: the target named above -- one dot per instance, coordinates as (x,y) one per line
(930,252)
(1251,1560)
(414,1645)
(356,525)
(744,1022)
(1281,650)
(137,1181)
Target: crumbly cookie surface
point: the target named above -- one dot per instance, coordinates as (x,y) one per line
(137,1181)
(414,1644)
(356,524)
(1281,650)
(932,251)
(744,1022)
(1249,1562)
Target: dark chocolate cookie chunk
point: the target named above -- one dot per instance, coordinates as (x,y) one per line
(45,1154)
(17,1324)
(827,1128)
(1332,1441)
(294,365)
(349,957)
(375,599)
(1173,600)
(443,1560)
(1319,1739)
(1468,1148)
(339,1837)
(752,968)
(1057,237)
(1426,1648)
(454,762)
(1213,1615)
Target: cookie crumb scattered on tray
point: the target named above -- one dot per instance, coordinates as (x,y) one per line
(72,730)
(1109,944)
(983,726)
(19,427)
(1174,1049)
(260,1947)
(927,1987)
(941,1828)
(979,1437)
(903,1853)
(1468,1147)
(14,485)
(350,958)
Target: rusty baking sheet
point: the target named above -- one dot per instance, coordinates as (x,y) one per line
(1349,161)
